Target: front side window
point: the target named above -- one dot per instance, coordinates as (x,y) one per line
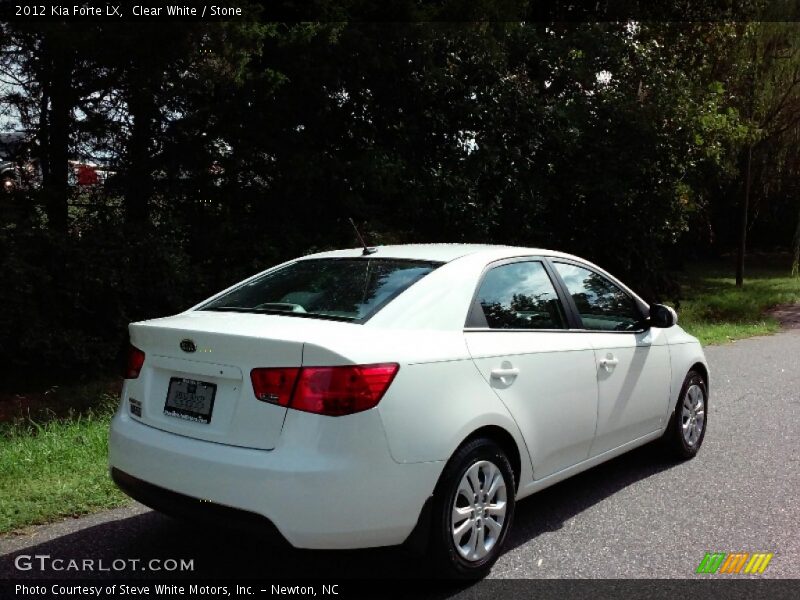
(351,289)
(602,305)
(520,295)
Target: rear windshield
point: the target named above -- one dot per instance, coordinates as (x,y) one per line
(350,289)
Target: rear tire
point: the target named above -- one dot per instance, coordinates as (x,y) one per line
(473,510)
(687,426)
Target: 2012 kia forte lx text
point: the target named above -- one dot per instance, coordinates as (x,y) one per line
(366,397)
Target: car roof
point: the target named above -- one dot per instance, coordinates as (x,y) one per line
(439,252)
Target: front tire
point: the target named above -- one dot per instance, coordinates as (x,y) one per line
(687,427)
(473,510)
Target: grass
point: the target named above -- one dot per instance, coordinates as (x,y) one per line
(55,468)
(714,310)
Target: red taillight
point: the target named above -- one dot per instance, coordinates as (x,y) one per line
(339,391)
(135,362)
(274,385)
(332,391)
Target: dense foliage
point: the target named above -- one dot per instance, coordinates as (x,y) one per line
(231,146)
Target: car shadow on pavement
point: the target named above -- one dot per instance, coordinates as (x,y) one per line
(549,509)
(216,553)
(221,553)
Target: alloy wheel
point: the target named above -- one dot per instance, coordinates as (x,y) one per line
(693,414)
(479,510)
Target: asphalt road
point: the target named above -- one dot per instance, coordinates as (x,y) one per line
(638,516)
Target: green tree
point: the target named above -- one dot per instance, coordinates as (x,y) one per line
(765,86)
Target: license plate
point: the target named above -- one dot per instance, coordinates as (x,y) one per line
(190,399)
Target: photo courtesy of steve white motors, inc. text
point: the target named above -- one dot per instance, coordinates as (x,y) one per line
(119,10)
(104,591)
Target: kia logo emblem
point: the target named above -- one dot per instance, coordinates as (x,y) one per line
(188,345)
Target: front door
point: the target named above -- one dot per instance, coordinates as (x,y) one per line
(633,364)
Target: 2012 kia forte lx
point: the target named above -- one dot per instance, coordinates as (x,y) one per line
(370,397)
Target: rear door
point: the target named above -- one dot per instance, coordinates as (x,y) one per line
(633,364)
(517,334)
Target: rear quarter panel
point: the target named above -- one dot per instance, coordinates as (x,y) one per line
(438,397)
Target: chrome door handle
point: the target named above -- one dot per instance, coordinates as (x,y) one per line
(609,361)
(501,373)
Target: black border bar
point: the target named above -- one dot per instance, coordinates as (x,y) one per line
(497,589)
(544,11)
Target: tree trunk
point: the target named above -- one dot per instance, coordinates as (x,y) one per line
(44,108)
(56,122)
(745,209)
(141,103)
(796,249)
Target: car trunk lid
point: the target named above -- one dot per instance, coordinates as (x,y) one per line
(223,347)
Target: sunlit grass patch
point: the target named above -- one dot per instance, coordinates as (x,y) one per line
(716,311)
(56,468)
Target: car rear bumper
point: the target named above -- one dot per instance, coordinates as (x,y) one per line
(329,483)
(186,507)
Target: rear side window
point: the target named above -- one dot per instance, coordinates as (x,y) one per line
(602,305)
(351,289)
(520,295)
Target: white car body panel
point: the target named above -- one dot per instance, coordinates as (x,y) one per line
(376,469)
(634,394)
(328,484)
(557,377)
(685,353)
(423,399)
(540,484)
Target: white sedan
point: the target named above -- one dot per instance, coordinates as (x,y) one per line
(413,393)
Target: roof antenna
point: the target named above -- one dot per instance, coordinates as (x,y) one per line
(367,250)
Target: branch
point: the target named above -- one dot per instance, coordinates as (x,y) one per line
(782,102)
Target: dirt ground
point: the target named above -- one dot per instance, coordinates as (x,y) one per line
(58,401)
(787,314)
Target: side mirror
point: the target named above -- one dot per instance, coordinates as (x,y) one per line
(662,316)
